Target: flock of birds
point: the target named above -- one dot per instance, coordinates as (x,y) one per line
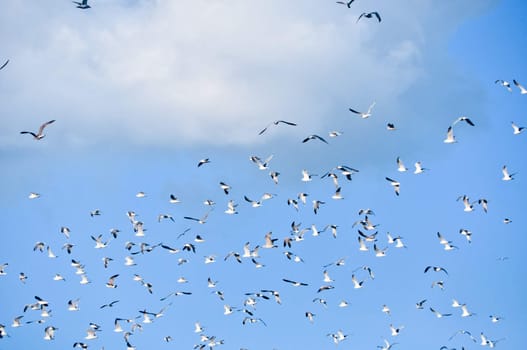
(38,310)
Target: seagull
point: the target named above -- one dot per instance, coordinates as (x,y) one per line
(111,304)
(274,176)
(400,165)
(33,195)
(461,331)
(295,283)
(111,281)
(276,122)
(40,134)
(363,115)
(370,15)
(465,312)
(506,175)
(463,119)
(495,319)
(335,133)
(316,205)
(165,216)
(95,212)
(231,208)
(387,345)
(504,83)
(82,5)
(396,185)
(418,168)
(98,242)
(523,90)
(73,305)
(201,221)
(356,283)
(395,330)
(419,304)
(3,65)
(262,165)
(450,136)
(440,284)
(203,161)
(438,314)
(467,234)
(386,309)
(468,207)
(49,332)
(310,316)
(314,137)
(174,199)
(226,188)
(390,127)
(347,3)
(517,129)
(435,268)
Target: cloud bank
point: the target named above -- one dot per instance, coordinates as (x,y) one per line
(215,73)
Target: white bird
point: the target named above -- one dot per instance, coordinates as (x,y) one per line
(173,199)
(363,115)
(468,207)
(262,164)
(33,195)
(276,122)
(450,136)
(463,119)
(386,346)
(40,134)
(517,129)
(504,83)
(439,314)
(506,175)
(316,205)
(225,187)
(49,332)
(378,251)
(203,161)
(400,165)
(418,168)
(231,208)
(465,312)
(523,90)
(140,194)
(386,309)
(396,185)
(395,330)
(98,242)
(356,283)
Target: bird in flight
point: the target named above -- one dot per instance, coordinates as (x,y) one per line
(347,3)
(463,119)
(363,115)
(370,15)
(504,83)
(450,136)
(523,90)
(82,5)
(276,122)
(314,137)
(40,134)
(517,129)
(506,175)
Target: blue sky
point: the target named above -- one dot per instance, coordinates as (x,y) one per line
(142,90)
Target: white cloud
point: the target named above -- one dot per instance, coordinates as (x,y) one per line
(186,72)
